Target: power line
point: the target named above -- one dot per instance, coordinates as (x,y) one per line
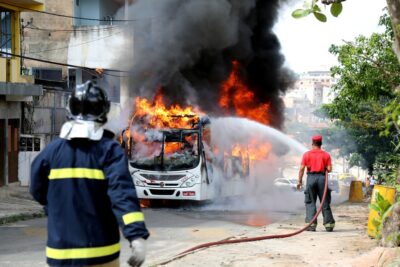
(70,17)
(80,44)
(75,30)
(65,64)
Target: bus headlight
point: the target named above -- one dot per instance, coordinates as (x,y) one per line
(138,182)
(189,182)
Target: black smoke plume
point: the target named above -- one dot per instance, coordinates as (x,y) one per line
(187,47)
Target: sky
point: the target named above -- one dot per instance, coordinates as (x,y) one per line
(305,42)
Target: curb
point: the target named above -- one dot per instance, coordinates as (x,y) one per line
(21,217)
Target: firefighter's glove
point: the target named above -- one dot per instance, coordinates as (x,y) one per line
(138,247)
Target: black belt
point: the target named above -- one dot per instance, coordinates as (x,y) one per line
(315,172)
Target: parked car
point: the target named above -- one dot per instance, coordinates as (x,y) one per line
(347,178)
(333,182)
(286,184)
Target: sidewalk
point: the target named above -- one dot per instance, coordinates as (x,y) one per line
(347,246)
(17,204)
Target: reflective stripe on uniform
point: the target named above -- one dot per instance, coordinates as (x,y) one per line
(329,225)
(67,173)
(133,217)
(82,253)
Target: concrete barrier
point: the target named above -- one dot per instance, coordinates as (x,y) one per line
(356,192)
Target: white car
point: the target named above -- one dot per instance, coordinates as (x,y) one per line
(286,184)
(333,182)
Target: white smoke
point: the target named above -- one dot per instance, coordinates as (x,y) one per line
(259,190)
(228,131)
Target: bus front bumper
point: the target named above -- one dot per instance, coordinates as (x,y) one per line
(189,193)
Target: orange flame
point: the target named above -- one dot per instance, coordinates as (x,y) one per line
(156,115)
(172,147)
(237,96)
(255,150)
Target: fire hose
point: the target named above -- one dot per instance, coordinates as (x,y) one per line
(258,238)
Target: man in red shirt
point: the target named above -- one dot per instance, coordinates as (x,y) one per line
(317,162)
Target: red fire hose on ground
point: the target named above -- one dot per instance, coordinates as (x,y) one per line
(258,238)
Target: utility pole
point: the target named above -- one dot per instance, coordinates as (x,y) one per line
(6,149)
(126,11)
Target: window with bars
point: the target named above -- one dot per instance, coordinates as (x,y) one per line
(5,32)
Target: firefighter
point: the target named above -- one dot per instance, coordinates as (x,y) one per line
(83,181)
(317,162)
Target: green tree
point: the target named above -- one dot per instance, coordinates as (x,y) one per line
(368,72)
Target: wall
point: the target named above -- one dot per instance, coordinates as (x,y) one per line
(3,66)
(47,114)
(96,47)
(50,44)
(10,110)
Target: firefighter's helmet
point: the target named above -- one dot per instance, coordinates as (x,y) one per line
(88,102)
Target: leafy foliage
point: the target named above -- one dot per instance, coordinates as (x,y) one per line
(314,8)
(336,9)
(383,208)
(366,102)
(392,119)
(387,168)
(397,186)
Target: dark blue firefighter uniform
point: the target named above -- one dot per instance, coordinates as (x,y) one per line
(88,192)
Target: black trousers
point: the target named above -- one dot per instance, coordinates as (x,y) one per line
(315,188)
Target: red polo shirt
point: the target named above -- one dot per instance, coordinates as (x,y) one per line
(316,160)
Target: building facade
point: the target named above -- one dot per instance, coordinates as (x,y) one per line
(311,90)
(88,37)
(317,85)
(15,86)
(83,36)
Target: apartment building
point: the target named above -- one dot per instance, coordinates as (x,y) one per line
(317,85)
(86,39)
(15,86)
(34,94)
(311,90)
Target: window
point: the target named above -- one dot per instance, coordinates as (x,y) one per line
(51,74)
(96,9)
(5,33)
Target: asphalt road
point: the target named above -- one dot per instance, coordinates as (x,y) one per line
(172,230)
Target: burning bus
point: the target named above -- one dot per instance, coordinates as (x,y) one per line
(171,155)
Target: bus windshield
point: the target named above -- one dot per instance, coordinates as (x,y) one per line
(167,151)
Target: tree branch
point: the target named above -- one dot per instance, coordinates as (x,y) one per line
(388,75)
(328,2)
